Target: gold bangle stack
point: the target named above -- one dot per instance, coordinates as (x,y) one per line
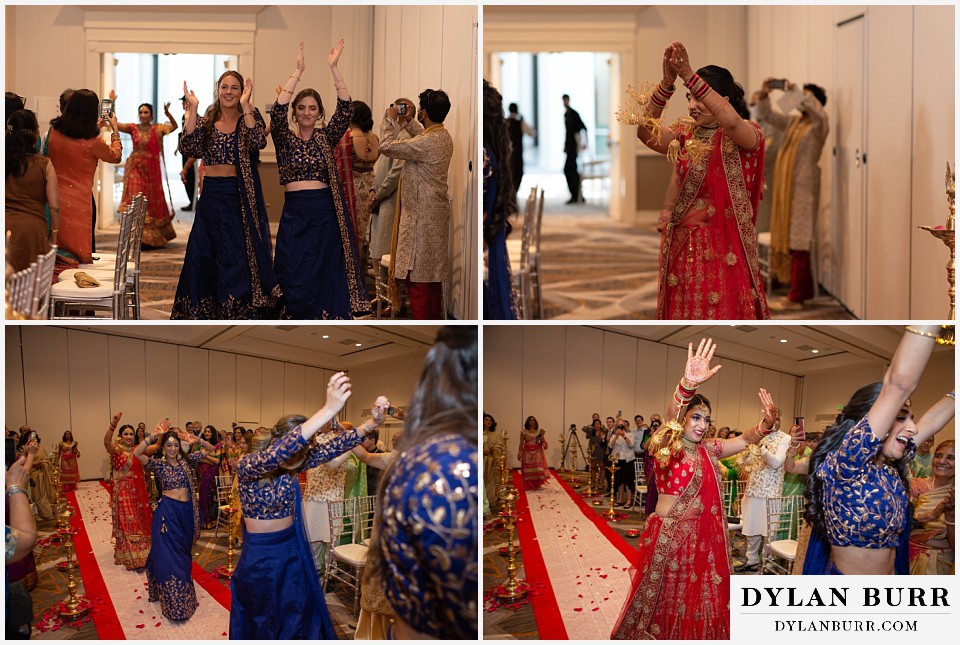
(947,335)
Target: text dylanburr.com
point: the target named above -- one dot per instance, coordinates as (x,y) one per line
(862,608)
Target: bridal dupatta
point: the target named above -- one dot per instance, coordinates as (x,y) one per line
(709,267)
(681,577)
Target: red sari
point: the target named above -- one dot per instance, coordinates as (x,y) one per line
(709,268)
(681,576)
(142,174)
(132,516)
(533,461)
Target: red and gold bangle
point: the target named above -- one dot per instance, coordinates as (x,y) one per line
(698,86)
(762,431)
(661,95)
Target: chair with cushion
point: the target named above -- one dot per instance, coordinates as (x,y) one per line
(784,517)
(70,301)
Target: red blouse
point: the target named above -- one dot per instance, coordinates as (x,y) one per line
(675,477)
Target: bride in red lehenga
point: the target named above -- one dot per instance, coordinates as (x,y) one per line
(681,576)
(532,457)
(129,504)
(709,267)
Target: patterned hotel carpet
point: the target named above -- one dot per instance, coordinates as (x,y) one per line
(160,270)
(595,268)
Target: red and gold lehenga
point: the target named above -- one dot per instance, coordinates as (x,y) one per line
(142,174)
(709,268)
(681,575)
(533,461)
(132,516)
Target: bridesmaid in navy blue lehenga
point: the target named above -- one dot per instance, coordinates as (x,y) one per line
(499,202)
(275,590)
(176,523)
(227,271)
(316,260)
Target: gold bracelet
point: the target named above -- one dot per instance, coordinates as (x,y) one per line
(918,332)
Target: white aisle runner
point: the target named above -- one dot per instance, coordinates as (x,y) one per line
(589,575)
(127,589)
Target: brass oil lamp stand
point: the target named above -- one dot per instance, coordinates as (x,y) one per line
(589,492)
(513,588)
(611,514)
(75,605)
(947,235)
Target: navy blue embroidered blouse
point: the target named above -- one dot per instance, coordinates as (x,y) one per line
(222,148)
(429,537)
(272,498)
(864,503)
(171,477)
(299,160)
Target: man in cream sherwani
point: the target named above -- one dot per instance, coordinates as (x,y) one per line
(764,460)
(421,228)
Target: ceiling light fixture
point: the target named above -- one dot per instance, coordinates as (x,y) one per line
(359,345)
(326,336)
(783,340)
(814,351)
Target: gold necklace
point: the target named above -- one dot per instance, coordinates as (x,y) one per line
(689,445)
(705,132)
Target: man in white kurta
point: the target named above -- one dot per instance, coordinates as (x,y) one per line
(764,460)
(422,226)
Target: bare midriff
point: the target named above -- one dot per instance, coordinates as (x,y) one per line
(268,526)
(305,185)
(857,560)
(665,503)
(179,494)
(220,170)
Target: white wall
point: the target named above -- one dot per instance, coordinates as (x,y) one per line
(823,393)
(389,51)
(563,374)
(911,118)
(59,379)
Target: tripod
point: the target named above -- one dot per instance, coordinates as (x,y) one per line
(568,441)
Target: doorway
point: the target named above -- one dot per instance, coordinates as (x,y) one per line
(536,81)
(157,78)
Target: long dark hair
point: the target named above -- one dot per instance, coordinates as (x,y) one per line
(445,402)
(80,119)
(721,81)
(362,116)
(493,422)
(214,112)
(22,133)
(497,139)
(855,410)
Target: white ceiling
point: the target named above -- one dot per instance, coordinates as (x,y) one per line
(838,346)
(301,344)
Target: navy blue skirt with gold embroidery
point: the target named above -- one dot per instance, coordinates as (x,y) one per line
(276,590)
(169,562)
(310,258)
(227,270)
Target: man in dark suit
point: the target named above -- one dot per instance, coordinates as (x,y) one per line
(571,146)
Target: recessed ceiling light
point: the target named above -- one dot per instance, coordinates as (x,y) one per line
(359,345)
(326,336)
(814,351)
(783,340)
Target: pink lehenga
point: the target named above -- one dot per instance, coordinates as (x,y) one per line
(533,460)
(709,266)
